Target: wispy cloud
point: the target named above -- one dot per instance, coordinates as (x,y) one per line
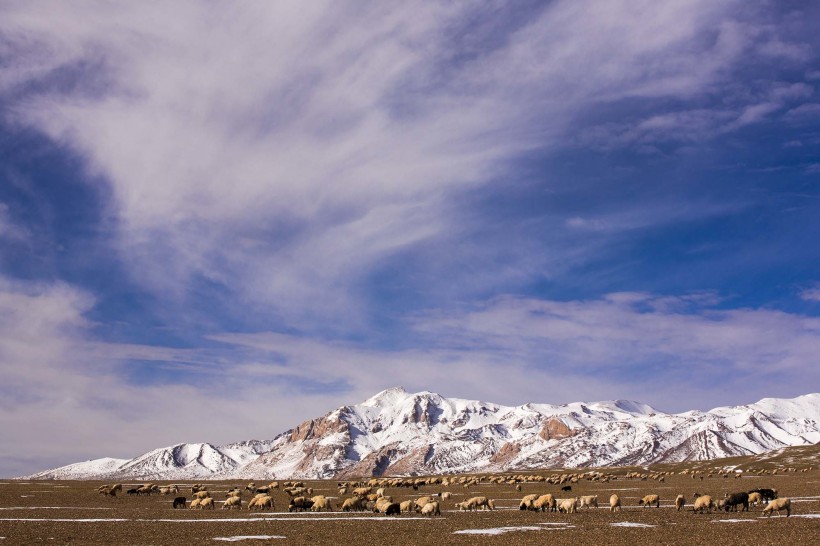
(304,153)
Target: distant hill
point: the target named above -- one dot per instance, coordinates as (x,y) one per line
(401,433)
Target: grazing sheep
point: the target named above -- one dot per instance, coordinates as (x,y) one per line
(766,494)
(131,492)
(589,501)
(202,495)
(778,505)
(568,506)
(566,488)
(475,503)
(391,509)
(527,503)
(703,502)
(343,490)
(179,502)
(320,502)
(207,502)
(195,503)
(299,504)
(680,501)
(446,495)
(431,509)
(232,502)
(421,501)
(614,503)
(362,491)
(731,501)
(250,487)
(408,506)
(755,498)
(354,504)
(650,500)
(545,503)
(261,502)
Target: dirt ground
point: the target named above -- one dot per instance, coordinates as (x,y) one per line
(74,513)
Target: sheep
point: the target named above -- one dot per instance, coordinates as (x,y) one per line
(766,494)
(343,490)
(779,504)
(703,502)
(431,509)
(362,491)
(201,495)
(299,504)
(527,502)
(320,502)
(353,505)
(736,498)
(195,503)
(755,498)
(207,502)
(588,501)
(566,488)
(544,503)
(421,501)
(650,500)
(614,503)
(568,506)
(232,502)
(179,502)
(391,509)
(114,488)
(380,492)
(680,501)
(261,501)
(408,506)
(250,487)
(131,491)
(446,495)
(475,503)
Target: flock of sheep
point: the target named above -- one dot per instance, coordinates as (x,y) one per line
(370,495)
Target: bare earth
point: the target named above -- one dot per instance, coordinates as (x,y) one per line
(74,513)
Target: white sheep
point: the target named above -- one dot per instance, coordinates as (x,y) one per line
(680,500)
(206,503)
(320,502)
(544,503)
(614,503)
(568,506)
(755,498)
(778,505)
(703,502)
(232,502)
(431,509)
(649,500)
(589,501)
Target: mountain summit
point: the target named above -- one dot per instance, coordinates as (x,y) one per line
(400,433)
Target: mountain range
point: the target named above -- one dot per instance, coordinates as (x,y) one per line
(400,433)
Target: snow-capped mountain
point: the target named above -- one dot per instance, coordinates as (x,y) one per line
(401,433)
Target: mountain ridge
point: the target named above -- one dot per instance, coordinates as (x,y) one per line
(395,432)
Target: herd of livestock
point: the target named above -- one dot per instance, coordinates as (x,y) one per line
(371,495)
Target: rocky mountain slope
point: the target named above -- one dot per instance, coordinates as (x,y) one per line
(401,433)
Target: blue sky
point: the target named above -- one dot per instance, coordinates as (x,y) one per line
(218,220)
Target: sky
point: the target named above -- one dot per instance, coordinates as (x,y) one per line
(218,220)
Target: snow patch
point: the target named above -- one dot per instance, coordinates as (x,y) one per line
(630,524)
(247,537)
(496,530)
(811,516)
(733,520)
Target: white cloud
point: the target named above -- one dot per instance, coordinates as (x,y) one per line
(286,150)
(811,294)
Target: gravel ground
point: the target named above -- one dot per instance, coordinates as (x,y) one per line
(74,513)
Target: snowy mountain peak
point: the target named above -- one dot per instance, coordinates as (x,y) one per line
(399,433)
